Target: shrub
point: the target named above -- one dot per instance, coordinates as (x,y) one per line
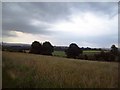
(36,48)
(47,48)
(73,51)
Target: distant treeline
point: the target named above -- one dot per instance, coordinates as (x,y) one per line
(15,48)
(63,48)
(73,51)
(24,48)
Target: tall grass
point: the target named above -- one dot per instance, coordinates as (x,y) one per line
(37,71)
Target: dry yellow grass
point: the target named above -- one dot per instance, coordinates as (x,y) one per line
(30,70)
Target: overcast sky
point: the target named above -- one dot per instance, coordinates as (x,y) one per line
(88,24)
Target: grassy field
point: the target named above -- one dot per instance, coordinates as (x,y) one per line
(87,52)
(38,71)
(59,53)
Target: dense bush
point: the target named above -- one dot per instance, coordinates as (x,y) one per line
(112,55)
(45,49)
(36,48)
(105,56)
(114,50)
(73,51)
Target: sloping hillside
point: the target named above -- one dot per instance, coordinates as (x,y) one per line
(30,70)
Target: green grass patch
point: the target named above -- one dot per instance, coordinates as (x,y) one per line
(87,52)
(59,53)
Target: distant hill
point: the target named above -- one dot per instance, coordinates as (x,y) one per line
(14,44)
(18,47)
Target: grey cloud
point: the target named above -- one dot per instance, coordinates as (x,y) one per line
(51,11)
(109,8)
(23,26)
(41,11)
(17,15)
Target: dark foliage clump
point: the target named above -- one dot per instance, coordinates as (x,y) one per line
(73,51)
(36,48)
(105,56)
(112,55)
(114,50)
(47,48)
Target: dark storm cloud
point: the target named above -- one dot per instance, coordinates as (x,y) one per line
(18,16)
(23,25)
